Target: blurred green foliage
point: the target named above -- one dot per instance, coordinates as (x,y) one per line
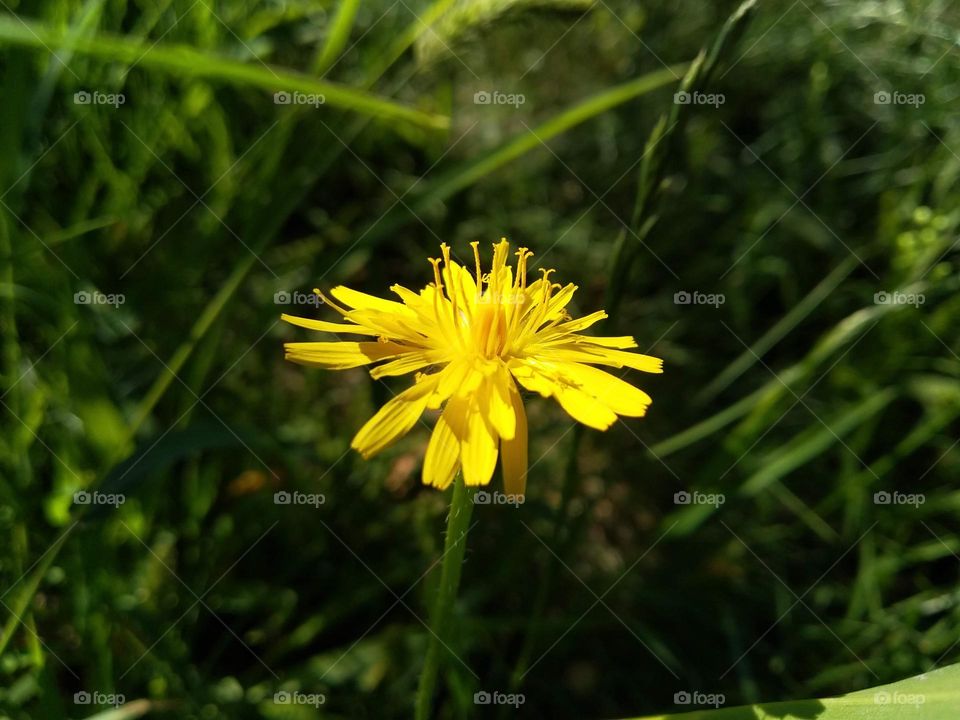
(801,198)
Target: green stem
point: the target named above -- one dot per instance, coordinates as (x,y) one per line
(22,601)
(458,521)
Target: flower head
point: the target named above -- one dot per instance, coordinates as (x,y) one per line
(471,338)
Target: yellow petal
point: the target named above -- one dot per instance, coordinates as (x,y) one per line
(443,452)
(623,342)
(583,323)
(324,326)
(459,279)
(536,314)
(478,448)
(513,452)
(495,401)
(583,408)
(436,313)
(341,355)
(601,356)
(393,420)
(546,379)
(421,305)
(534,291)
(405,364)
(408,296)
(453,377)
(410,328)
(559,301)
(618,395)
(532,380)
(362,301)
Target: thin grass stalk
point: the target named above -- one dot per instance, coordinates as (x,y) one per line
(658,150)
(643,219)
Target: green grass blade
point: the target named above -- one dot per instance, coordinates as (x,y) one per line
(184,61)
(338,37)
(450,183)
(458,178)
(29,589)
(424,22)
(749,357)
(197,332)
(658,150)
(811,444)
(843,333)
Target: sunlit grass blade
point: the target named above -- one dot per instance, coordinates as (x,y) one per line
(337,36)
(422,23)
(480,15)
(932,696)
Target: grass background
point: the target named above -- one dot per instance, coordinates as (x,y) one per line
(798,199)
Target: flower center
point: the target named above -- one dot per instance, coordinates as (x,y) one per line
(495,322)
(490,330)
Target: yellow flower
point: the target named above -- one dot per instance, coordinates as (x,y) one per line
(479,335)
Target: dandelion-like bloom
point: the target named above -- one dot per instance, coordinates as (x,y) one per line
(473,337)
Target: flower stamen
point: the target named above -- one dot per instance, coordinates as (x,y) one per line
(476,258)
(331,303)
